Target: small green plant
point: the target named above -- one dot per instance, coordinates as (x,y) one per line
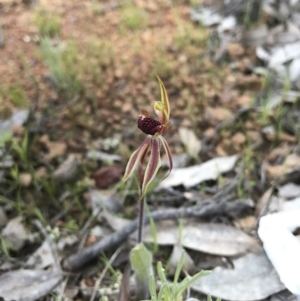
(162,64)
(47,22)
(252,14)
(5,247)
(17,95)
(21,149)
(172,291)
(188,34)
(134,17)
(61,60)
(141,261)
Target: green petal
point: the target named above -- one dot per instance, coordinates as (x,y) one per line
(136,157)
(164,100)
(152,166)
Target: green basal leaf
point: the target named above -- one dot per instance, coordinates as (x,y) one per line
(165,293)
(185,284)
(209,298)
(4,137)
(178,269)
(141,263)
(152,288)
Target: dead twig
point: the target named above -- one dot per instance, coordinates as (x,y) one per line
(208,209)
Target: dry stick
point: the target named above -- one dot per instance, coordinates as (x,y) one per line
(76,261)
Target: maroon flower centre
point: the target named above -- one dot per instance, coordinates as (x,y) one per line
(148,125)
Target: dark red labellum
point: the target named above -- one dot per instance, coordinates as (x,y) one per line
(148,125)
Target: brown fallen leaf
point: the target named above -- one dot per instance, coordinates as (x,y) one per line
(216,115)
(108,175)
(254,136)
(55,149)
(68,169)
(246,223)
(263,202)
(290,162)
(235,49)
(238,138)
(282,151)
(244,100)
(220,150)
(210,132)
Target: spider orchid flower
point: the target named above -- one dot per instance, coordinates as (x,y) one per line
(152,144)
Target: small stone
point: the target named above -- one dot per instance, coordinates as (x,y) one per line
(186,122)
(146,36)
(238,138)
(119,73)
(25,179)
(41,172)
(152,6)
(244,100)
(235,49)
(246,223)
(182,58)
(126,107)
(210,132)
(26,39)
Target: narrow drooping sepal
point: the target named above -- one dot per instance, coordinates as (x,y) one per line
(168,152)
(136,157)
(164,112)
(142,165)
(152,166)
